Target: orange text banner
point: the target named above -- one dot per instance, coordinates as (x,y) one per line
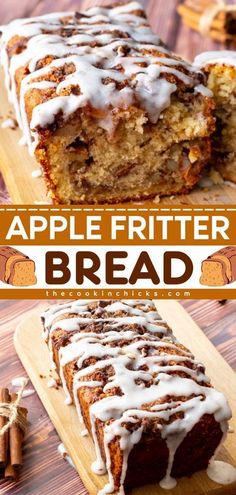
(117,225)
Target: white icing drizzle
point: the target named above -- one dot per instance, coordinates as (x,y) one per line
(20,381)
(64,454)
(115,60)
(82,307)
(52,383)
(221,472)
(141,373)
(36,173)
(22,141)
(221,57)
(8,124)
(28,392)
(84,433)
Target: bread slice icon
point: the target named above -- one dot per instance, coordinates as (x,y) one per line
(16,268)
(219,268)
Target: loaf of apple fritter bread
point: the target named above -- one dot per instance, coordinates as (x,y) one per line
(220,69)
(109,112)
(146,401)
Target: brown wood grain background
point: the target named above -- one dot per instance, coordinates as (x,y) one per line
(44,472)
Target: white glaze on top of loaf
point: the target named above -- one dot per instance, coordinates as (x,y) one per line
(144,363)
(117,61)
(219,57)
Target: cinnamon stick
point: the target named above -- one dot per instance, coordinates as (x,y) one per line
(223,25)
(11,441)
(10,473)
(194,17)
(16,439)
(216,35)
(4,398)
(200,5)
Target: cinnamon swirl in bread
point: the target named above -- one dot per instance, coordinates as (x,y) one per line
(146,401)
(220,68)
(109,112)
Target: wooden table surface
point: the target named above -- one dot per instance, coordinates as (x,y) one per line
(163,18)
(44,472)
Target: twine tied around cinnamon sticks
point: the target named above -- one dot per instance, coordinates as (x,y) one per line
(208,16)
(214,18)
(14,414)
(13,425)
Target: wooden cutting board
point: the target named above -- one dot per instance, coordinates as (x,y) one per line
(34,355)
(17,166)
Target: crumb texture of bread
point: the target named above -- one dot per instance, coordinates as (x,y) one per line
(23,274)
(109,112)
(220,68)
(144,398)
(213,273)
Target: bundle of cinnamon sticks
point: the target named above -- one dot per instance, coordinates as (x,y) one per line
(11,440)
(215,18)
